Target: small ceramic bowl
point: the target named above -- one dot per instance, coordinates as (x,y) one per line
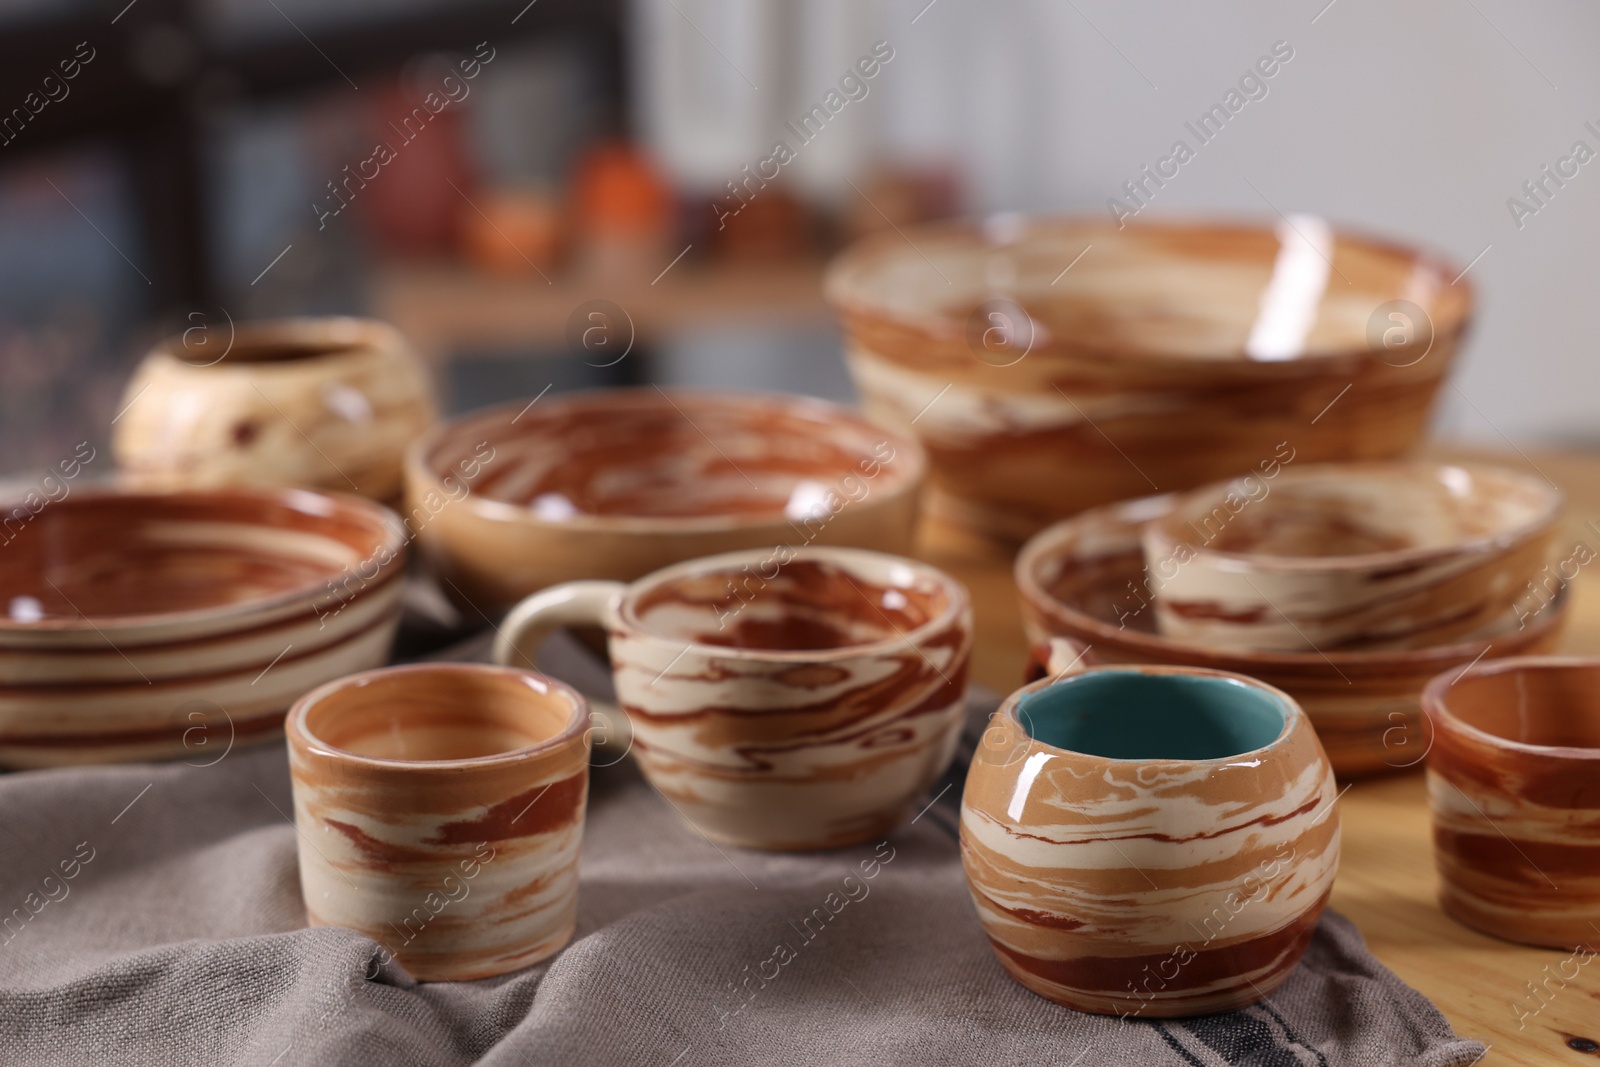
(780,699)
(147,626)
(1051,365)
(1514,784)
(1085,578)
(322,403)
(1150,841)
(1368,555)
(440,809)
(614,484)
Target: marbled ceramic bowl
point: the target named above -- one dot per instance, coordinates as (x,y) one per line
(323,403)
(1085,578)
(1150,841)
(780,699)
(617,483)
(146,626)
(1349,555)
(1055,365)
(1514,783)
(440,810)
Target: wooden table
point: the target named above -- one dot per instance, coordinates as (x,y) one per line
(1386,880)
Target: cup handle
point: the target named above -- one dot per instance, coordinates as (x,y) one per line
(537,617)
(1057,658)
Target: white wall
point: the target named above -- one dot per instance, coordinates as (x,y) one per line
(1416,119)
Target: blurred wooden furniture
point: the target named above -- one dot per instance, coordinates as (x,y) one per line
(446,307)
(1386,883)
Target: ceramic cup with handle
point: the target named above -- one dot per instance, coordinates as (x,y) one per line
(1514,785)
(1349,555)
(779,698)
(1149,840)
(441,809)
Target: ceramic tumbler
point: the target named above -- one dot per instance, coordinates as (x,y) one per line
(440,812)
(1149,841)
(781,698)
(1514,785)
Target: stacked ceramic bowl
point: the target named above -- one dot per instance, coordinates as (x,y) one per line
(1348,586)
(150,626)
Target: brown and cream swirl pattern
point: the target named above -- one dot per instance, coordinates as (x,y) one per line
(1149,887)
(1514,785)
(147,626)
(441,811)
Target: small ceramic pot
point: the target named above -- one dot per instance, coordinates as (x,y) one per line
(617,483)
(1085,578)
(1149,841)
(1369,555)
(139,626)
(1052,365)
(440,812)
(780,699)
(320,403)
(1514,784)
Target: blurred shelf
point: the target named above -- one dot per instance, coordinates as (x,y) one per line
(444,308)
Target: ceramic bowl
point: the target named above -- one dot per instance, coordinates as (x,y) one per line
(780,699)
(1150,841)
(440,809)
(1514,784)
(145,626)
(617,483)
(1085,578)
(1168,356)
(1343,555)
(321,403)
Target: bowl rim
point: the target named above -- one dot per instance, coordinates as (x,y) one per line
(1553,503)
(421,476)
(1292,712)
(841,283)
(959,602)
(362,337)
(379,517)
(299,734)
(1437,709)
(1039,547)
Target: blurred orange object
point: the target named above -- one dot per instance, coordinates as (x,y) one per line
(513,231)
(623,211)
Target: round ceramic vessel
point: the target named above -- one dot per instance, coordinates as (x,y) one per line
(780,700)
(323,403)
(1085,578)
(140,626)
(615,484)
(1150,841)
(1051,365)
(440,810)
(1350,555)
(1514,784)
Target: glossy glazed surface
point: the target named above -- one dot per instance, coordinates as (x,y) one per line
(1195,348)
(140,626)
(441,810)
(1142,885)
(1514,786)
(1375,556)
(1085,578)
(618,483)
(327,403)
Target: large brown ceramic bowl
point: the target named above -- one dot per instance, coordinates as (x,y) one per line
(618,483)
(1167,356)
(145,626)
(1085,578)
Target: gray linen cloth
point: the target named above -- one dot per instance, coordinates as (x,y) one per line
(150,914)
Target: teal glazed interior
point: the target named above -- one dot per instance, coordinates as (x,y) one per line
(1133,715)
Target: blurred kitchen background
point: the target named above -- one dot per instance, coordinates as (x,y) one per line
(186,175)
